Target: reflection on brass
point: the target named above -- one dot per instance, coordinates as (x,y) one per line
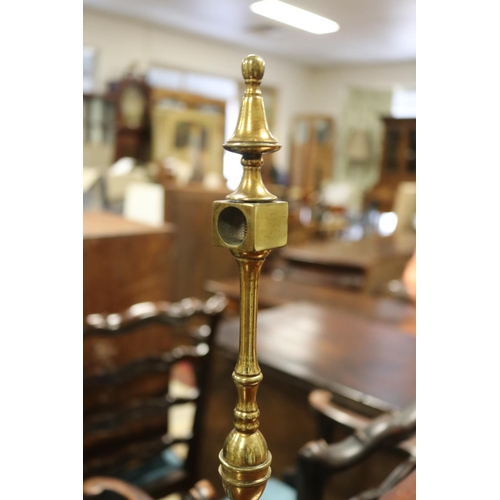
(250,223)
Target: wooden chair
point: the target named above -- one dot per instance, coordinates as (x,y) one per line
(405,490)
(96,487)
(127,401)
(319,460)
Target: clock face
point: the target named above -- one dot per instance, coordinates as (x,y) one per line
(132,106)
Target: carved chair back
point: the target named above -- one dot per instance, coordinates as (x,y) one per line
(129,360)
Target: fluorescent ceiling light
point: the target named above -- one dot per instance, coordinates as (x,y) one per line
(298,18)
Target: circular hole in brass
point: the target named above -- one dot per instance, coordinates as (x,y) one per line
(232,226)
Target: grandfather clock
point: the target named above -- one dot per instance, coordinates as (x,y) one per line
(133,130)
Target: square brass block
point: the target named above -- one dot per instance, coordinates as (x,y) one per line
(249,226)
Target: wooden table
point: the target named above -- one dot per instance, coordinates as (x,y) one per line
(368,365)
(356,348)
(274,293)
(364,265)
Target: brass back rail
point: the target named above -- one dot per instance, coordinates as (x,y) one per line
(250,222)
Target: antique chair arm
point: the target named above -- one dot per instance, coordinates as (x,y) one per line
(202,490)
(97,485)
(329,413)
(388,429)
(317,460)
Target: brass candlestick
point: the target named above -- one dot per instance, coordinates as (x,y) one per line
(250,222)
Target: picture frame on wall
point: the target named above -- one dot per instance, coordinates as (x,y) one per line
(190,139)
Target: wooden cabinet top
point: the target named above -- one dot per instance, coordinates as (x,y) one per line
(98,224)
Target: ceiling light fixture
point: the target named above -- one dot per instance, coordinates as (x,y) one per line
(293,16)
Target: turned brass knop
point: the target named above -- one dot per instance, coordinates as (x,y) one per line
(252,134)
(250,222)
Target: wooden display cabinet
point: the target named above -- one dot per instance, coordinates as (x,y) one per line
(312,153)
(98,119)
(398,162)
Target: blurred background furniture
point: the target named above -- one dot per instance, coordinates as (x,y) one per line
(398,163)
(190,130)
(98,155)
(96,488)
(124,262)
(190,209)
(311,153)
(405,206)
(359,152)
(101,487)
(320,459)
(277,290)
(132,134)
(145,202)
(117,178)
(367,364)
(133,384)
(405,490)
(365,265)
(98,130)
(323,458)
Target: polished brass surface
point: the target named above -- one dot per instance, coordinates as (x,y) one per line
(252,137)
(250,226)
(250,222)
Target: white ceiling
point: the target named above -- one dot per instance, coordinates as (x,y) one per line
(371,31)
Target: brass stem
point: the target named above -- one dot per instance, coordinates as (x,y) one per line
(251,187)
(247,375)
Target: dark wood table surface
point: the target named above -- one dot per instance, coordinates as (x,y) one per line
(274,293)
(367,364)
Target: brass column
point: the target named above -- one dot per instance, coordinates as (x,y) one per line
(250,222)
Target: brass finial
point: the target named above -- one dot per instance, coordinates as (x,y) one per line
(250,223)
(252,137)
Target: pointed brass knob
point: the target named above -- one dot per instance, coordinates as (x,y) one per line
(252,135)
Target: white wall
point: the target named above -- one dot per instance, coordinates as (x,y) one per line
(121,41)
(330,86)
(330,95)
